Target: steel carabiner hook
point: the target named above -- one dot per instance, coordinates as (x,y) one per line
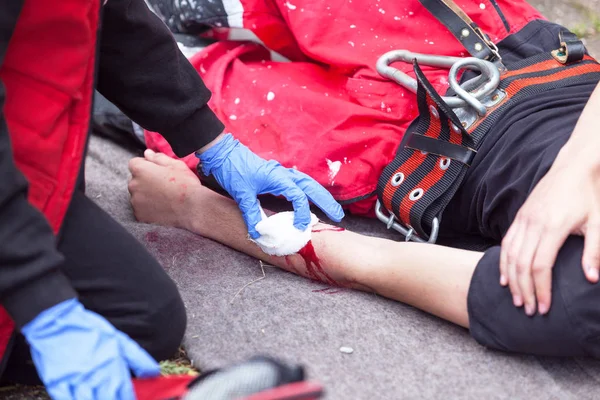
(468,94)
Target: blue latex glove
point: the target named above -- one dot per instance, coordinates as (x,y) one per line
(81,356)
(244,175)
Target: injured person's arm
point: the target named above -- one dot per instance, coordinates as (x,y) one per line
(433,278)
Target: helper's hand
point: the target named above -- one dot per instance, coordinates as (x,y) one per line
(566,201)
(80,355)
(244,176)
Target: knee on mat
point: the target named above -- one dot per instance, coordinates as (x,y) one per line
(165,327)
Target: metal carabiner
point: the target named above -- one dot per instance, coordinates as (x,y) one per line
(468,94)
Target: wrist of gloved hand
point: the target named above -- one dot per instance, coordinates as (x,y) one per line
(245,176)
(46,319)
(37,295)
(216,155)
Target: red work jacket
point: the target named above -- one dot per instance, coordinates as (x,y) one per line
(328,112)
(48,73)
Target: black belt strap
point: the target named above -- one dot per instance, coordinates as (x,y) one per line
(479,45)
(463,28)
(430,165)
(441,148)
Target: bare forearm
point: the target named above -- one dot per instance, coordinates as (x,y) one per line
(214,216)
(433,278)
(338,251)
(584,144)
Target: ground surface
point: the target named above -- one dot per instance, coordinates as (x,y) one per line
(581,16)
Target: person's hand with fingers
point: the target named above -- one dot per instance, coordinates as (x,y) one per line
(80,355)
(566,201)
(244,175)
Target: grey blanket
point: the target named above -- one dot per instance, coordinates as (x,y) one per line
(398,352)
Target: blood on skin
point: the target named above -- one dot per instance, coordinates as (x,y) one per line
(310,271)
(291,266)
(183,193)
(329,229)
(313,265)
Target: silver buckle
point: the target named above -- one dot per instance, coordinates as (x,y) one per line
(409,233)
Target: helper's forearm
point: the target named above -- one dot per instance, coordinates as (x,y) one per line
(433,278)
(143,72)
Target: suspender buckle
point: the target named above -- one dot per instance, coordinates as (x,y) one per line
(497,59)
(390,221)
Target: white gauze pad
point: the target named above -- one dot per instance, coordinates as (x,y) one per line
(279,237)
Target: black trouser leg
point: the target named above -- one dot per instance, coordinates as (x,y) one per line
(571,327)
(117,278)
(521,150)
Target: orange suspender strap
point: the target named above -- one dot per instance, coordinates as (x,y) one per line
(438,147)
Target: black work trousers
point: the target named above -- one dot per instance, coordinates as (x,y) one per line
(517,153)
(116,277)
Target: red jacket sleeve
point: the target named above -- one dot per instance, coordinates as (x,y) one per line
(30,276)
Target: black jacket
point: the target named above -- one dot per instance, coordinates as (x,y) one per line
(143,72)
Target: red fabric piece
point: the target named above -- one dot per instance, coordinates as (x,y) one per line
(6,331)
(176,386)
(162,387)
(48,73)
(328,112)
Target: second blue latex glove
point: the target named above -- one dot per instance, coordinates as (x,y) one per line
(79,355)
(244,175)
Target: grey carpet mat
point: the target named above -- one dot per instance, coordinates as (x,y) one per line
(399,352)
